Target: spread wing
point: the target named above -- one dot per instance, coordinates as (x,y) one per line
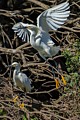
(53,18)
(21,30)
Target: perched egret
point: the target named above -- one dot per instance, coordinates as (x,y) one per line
(20,79)
(50,19)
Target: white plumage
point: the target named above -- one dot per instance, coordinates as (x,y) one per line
(50,19)
(20,79)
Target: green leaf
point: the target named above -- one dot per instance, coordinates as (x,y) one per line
(1,111)
(24,118)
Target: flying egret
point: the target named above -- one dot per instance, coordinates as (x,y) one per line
(20,79)
(50,19)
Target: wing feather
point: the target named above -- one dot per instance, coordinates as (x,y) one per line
(21,30)
(25,81)
(53,18)
(53,25)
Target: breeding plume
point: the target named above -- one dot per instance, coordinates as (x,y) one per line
(50,19)
(20,79)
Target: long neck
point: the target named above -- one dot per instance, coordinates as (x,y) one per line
(15,74)
(16,70)
(32,37)
(33,34)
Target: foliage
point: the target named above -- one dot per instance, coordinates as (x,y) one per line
(35,118)
(72,56)
(24,117)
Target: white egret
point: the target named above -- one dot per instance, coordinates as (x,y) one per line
(50,19)
(20,79)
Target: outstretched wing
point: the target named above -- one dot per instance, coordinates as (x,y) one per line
(53,18)
(21,30)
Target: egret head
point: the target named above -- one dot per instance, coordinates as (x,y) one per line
(21,25)
(15,64)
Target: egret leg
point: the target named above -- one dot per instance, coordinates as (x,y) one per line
(51,68)
(48,63)
(55,63)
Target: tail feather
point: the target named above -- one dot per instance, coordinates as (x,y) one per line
(54,50)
